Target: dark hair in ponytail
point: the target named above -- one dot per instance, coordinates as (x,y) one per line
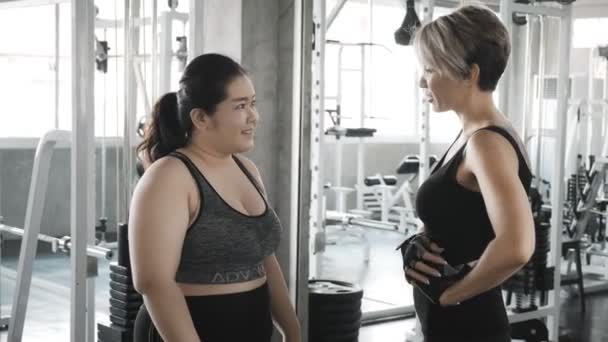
(203,85)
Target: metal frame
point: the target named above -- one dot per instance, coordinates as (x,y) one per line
(31,235)
(507,7)
(317,137)
(317,124)
(423,107)
(334,12)
(82,298)
(301,213)
(342,192)
(29,3)
(33,218)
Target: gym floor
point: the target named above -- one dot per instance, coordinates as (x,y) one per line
(48,310)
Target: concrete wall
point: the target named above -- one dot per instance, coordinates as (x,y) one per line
(15,177)
(271,155)
(260,58)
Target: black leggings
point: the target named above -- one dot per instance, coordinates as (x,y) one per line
(234,317)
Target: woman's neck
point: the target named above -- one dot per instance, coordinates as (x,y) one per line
(480,111)
(207,153)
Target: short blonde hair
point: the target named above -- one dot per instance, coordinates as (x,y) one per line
(472,34)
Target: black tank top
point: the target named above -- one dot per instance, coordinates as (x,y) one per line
(456,218)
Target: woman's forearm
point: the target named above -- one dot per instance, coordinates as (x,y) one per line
(497,264)
(281,307)
(169,311)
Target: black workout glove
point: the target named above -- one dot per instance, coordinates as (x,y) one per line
(412,250)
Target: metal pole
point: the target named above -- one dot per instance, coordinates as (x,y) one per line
(527,71)
(104,147)
(131,48)
(317,129)
(296,117)
(307,115)
(154,51)
(339,87)
(334,12)
(165,53)
(605,116)
(506,11)
(196,22)
(57,15)
(364,112)
(424,108)
(589,112)
(83,166)
(557,193)
(541,96)
(338,142)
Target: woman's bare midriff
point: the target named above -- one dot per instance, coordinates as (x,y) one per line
(220,289)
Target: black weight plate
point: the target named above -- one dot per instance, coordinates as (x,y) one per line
(121,279)
(540,252)
(321,301)
(333,290)
(353,336)
(538,256)
(129,306)
(338,329)
(124,296)
(114,333)
(543,246)
(329,307)
(123,313)
(121,270)
(335,317)
(335,325)
(128,289)
(122,322)
(531,330)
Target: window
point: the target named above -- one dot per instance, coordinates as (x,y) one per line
(389,104)
(589,32)
(29,69)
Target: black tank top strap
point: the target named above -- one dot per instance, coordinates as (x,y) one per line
(441,161)
(251,178)
(525,171)
(502,131)
(523,161)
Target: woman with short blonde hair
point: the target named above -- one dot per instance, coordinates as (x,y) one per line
(478,225)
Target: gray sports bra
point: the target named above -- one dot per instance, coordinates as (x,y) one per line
(223,245)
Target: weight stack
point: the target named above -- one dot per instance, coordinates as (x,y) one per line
(124,300)
(530,279)
(334,311)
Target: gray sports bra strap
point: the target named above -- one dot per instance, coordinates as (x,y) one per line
(189,164)
(251,178)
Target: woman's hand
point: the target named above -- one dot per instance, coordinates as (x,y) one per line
(419,253)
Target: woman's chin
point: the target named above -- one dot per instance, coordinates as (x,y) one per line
(246,147)
(438,109)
